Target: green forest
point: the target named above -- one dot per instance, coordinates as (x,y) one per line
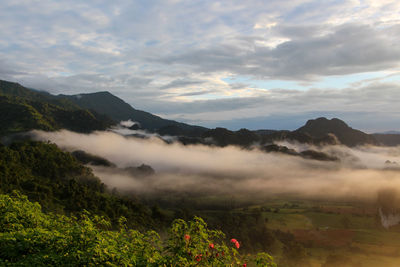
(53,211)
(29,237)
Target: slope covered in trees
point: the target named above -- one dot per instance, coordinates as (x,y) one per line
(22,109)
(117,109)
(29,237)
(60,183)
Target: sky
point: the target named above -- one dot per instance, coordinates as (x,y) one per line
(236,64)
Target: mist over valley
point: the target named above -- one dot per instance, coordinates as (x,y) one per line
(200,133)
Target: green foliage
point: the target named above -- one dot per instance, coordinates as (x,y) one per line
(29,237)
(39,239)
(193,243)
(250,227)
(264,259)
(22,109)
(60,183)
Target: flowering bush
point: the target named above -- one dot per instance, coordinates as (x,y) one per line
(29,237)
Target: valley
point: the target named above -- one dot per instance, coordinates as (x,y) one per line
(322,195)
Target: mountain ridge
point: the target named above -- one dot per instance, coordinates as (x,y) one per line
(22,109)
(34,109)
(85,112)
(108,104)
(348,136)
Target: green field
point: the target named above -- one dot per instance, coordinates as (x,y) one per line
(334,234)
(326,233)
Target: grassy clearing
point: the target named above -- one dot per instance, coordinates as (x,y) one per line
(328,230)
(287,221)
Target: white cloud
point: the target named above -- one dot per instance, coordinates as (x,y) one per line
(173,52)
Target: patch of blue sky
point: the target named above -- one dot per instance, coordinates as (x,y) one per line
(152,43)
(393,78)
(10,47)
(264,84)
(332,82)
(208,96)
(343,81)
(64,73)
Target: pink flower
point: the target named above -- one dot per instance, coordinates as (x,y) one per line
(187,237)
(233,240)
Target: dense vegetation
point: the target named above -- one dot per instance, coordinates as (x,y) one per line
(29,237)
(22,109)
(60,183)
(63,186)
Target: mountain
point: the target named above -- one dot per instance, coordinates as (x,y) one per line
(22,109)
(387,139)
(223,137)
(321,127)
(307,154)
(117,109)
(300,137)
(320,131)
(60,183)
(389,132)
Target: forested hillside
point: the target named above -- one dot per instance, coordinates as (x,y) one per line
(79,221)
(28,237)
(61,184)
(108,104)
(22,109)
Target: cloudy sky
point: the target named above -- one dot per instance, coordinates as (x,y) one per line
(256,64)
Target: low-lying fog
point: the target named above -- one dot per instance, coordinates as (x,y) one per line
(359,175)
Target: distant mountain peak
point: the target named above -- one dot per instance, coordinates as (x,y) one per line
(389,132)
(324,122)
(114,107)
(322,126)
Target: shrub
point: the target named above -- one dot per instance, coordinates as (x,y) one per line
(29,237)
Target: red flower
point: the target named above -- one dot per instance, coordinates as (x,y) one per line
(237,245)
(211,246)
(187,237)
(244,264)
(198,257)
(217,255)
(234,241)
